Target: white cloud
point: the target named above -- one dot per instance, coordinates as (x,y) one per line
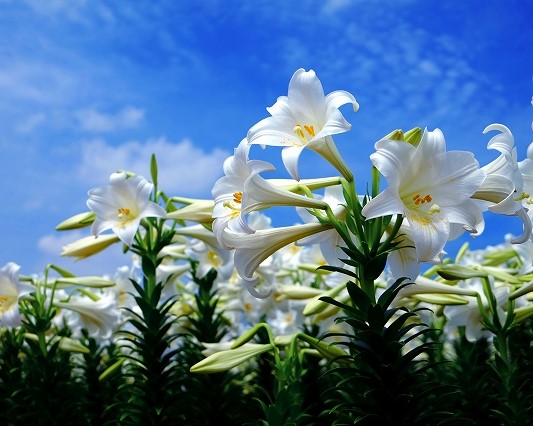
(93,120)
(28,124)
(53,244)
(333,6)
(184,169)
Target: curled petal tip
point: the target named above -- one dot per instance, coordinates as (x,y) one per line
(250,286)
(526,234)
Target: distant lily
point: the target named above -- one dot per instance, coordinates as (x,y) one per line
(99,317)
(306,118)
(430,187)
(121,205)
(11,291)
(503,187)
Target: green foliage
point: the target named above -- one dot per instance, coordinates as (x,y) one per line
(151,380)
(209,399)
(386,379)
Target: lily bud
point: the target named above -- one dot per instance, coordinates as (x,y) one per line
(316,305)
(92,282)
(226,360)
(457,272)
(78,221)
(200,211)
(88,246)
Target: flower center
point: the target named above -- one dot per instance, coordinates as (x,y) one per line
(214,259)
(234,205)
(422,200)
(423,203)
(4,303)
(305,132)
(124,215)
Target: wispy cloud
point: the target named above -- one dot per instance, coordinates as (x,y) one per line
(184,168)
(92,120)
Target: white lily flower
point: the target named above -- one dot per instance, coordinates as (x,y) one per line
(430,187)
(526,168)
(208,258)
(305,118)
(469,315)
(100,318)
(242,190)
(503,186)
(252,249)
(11,291)
(228,191)
(121,205)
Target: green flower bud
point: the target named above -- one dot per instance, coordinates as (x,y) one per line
(226,360)
(76,222)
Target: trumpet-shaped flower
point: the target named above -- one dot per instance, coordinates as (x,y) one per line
(242,190)
(11,291)
(252,249)
(228,191)
(430,187)
(121,205)
(100,318)
(305,118)
(470,316)
(503,187)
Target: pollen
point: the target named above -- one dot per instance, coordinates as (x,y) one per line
(422,200)
(237,197)
(310,129)
(3,302)
(214,258)
(124,212)
(304,132)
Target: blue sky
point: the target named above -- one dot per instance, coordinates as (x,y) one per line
(91,86)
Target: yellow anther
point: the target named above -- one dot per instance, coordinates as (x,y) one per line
(123,211)
(214,258)
(310,129)
(522,196)
(237,197)
(299,132)
(422,200)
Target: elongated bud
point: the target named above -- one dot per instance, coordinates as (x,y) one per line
(525,289)
(153,169)
(457,272)
(316,305)
(441,299)
(297,292)
(65,344)
(111,370)
(327,350)
(88,246)
(92,282)
(78,221)
(199,211)
(226,360)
